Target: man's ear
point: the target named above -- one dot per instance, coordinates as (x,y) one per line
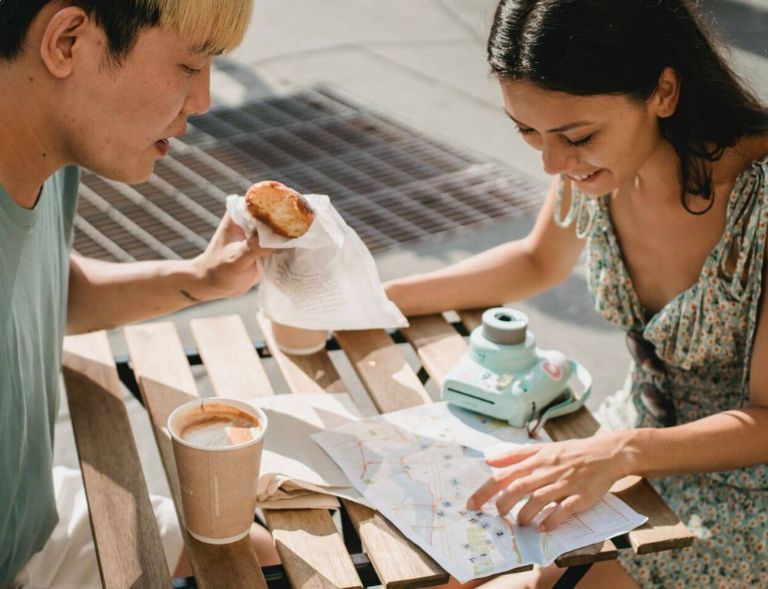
(667,94)
(61,39)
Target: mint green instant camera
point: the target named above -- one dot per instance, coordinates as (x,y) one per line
(504,375)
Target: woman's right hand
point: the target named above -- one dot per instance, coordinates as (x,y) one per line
(574,475)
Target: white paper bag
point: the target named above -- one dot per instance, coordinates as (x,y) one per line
(325,279)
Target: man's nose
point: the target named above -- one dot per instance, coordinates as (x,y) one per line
(199,97)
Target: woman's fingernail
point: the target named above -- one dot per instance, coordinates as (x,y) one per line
(542,527)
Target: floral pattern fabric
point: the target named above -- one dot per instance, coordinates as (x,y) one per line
(704,339)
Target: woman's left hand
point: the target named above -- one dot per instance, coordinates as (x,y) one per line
(574,475)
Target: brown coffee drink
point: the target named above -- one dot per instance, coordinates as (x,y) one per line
(216,425)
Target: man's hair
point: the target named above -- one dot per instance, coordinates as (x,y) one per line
(210,26)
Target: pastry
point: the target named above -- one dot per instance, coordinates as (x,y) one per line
(283,209)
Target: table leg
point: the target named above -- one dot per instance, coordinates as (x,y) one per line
(277,579)
(572,576)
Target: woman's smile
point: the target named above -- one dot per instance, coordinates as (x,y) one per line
(584,178)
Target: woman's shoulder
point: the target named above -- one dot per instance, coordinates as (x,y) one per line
(749,153)
(733,171)
(753,177)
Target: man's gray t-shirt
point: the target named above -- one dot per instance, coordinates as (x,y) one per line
(34,275)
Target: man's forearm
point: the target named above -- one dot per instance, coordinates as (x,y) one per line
(103,295)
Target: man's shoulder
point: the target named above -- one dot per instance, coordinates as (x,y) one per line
(65,185)
(66,180)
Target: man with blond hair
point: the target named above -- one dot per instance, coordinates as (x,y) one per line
(103,85)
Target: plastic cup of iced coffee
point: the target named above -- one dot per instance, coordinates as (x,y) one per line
(217,444)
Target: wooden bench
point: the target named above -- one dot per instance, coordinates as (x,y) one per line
(313,552)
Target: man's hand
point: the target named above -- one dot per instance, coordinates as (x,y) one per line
(103,295)
(229,266)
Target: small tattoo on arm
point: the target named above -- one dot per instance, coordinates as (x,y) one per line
(188,296)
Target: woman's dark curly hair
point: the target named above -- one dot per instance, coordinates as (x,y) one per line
(621,47)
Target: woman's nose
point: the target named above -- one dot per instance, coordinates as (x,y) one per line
(556,159)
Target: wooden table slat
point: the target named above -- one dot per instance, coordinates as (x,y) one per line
(311,549)
(396,560)
(166,365)
(391,382)
(471,318)
(663,531)
(123,524)
(394,557)
(166,381)
(437,343)
(230,358)
(314,373)
(588,554)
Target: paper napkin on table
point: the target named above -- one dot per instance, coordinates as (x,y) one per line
(295,472)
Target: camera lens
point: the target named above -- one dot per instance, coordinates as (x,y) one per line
(505,326)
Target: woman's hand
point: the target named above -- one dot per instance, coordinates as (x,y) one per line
(229,266)
(574,475)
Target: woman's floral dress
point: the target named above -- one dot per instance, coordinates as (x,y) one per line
(703,338)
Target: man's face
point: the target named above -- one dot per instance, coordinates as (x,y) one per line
(118,118)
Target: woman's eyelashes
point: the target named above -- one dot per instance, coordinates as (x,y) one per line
(579,142)
(524,130)
(527,131)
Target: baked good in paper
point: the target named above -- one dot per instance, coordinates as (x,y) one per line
(283,209)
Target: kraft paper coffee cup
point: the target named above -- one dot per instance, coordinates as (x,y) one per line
(297,340)
(218,466)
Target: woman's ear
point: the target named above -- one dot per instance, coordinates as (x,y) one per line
(61,39)
(665,98)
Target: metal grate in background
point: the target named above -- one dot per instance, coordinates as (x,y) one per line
(392,185)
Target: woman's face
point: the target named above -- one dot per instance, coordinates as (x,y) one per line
(600,142)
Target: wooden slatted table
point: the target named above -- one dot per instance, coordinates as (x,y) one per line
(312,550)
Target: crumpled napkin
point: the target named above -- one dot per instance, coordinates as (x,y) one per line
(296,473)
